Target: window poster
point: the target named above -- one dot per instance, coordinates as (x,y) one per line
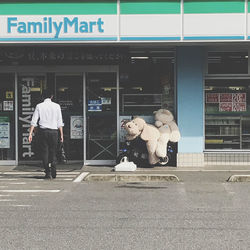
(228,102)
(76,127)
(212,97)
(4,132)
(9,95)
(226,106)
(8,106)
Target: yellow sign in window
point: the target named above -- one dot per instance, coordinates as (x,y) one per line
(9,94)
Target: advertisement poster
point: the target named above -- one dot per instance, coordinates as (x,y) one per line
(4,132)
(76,127)
(228,102)
(239,107)
(239,97)
(226,106)
(226,97)
(8,106)
(9,95)
(212,98)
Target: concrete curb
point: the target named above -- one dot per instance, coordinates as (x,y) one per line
(131,177)
(239,178)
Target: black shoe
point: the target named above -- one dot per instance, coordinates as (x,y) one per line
(48,176)
(53,172)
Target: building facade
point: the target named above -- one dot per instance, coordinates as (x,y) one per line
(110,60)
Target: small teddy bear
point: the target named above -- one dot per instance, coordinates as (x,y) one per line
(149,133)
(169,131)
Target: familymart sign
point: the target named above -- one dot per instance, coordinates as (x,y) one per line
(82,27)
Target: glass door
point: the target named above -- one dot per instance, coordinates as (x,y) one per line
(101,118)
(69,94)
(7,119)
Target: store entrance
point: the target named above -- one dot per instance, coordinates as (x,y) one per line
(101,118)
(88,100)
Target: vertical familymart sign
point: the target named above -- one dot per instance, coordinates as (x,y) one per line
(58,27)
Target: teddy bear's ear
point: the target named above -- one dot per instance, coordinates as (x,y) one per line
(155,112)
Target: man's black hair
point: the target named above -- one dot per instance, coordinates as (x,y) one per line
(48,93)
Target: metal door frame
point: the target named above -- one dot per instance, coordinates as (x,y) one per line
(113,69)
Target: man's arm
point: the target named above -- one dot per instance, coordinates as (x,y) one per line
(60,123)
(33,123)
(61,133)
(31,133)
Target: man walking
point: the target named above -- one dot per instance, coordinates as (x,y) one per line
(48,115)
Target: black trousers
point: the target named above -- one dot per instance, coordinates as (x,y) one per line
(48,145)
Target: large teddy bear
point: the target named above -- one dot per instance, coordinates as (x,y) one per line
(149,133)
(164,121)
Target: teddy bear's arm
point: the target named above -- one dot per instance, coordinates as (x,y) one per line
(158,124)
(175,132)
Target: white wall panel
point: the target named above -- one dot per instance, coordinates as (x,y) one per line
(214,25)
(150,25)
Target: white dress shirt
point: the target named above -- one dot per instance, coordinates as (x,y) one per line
(50,115)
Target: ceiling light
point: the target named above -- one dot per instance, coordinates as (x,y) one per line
(140,57)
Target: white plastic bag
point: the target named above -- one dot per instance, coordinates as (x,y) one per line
(125,165)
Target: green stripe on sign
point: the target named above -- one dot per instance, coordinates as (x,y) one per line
(150,7)
(52,8)
(213,6)
(4,119)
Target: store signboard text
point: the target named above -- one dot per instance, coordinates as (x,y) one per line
(49,25)
(25,116)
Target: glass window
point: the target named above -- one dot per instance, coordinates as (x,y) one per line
(7,117)
(227,109)
(228,62)
(146,85)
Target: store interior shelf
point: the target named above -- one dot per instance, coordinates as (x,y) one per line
(222,124)
(223,135)
(223,131)
(153,101)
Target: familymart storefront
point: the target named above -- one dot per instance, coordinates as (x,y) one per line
(110,60)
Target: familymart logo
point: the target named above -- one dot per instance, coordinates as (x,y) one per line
(56,26)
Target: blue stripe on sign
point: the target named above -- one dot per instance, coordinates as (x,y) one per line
(150,38)
(214,37)
(62,39)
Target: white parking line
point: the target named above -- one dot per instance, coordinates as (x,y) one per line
(20,205)
(7,200)
(81,177)
(23,173)
(17,183)
(8,179)
(30,191)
